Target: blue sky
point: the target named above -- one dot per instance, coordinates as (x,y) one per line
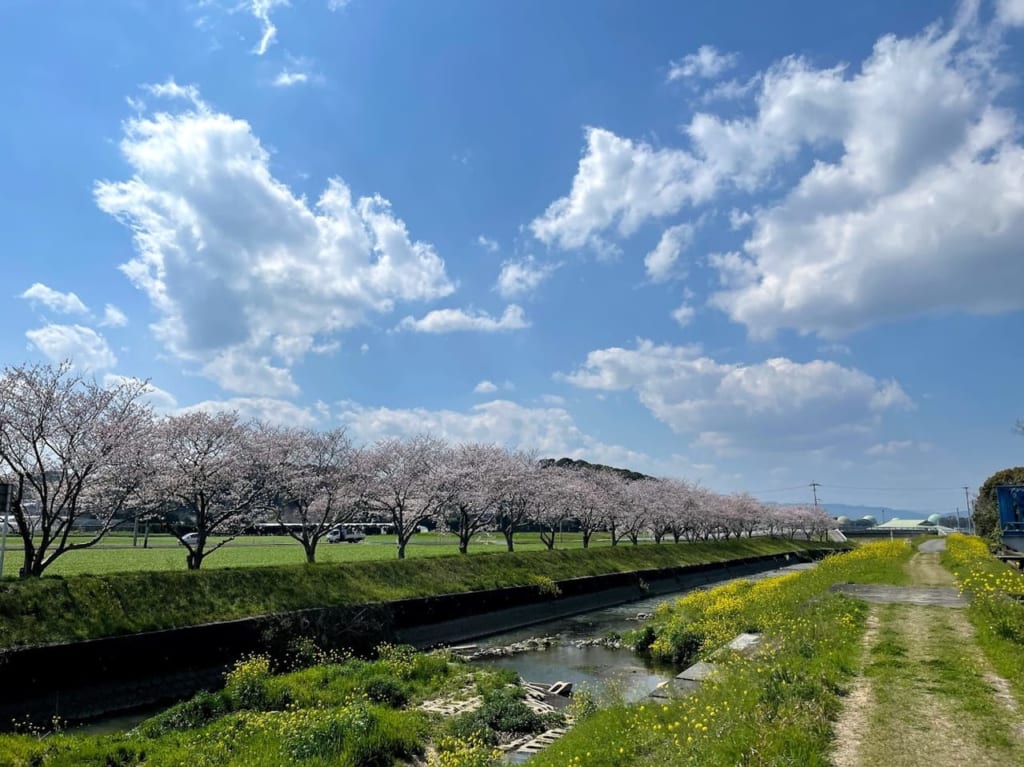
(751,244)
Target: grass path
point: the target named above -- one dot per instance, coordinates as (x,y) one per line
(926,694)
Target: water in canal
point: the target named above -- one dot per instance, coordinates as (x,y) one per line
(596,666)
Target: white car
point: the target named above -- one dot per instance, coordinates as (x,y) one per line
(190,539)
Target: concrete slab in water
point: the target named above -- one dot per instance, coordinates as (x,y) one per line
(698,672)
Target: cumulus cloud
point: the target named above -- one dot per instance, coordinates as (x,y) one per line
(912,202)
(1010,12)
(661,262)
(113,317)
(487,243)
(453,320)
(707,63)
(485,387)
(286,78)
(618,183)
(683,314)
(62,303)
(246,276)
(277,412)
(161,400)
(771,405)
(550,431)
(86,348)
(522,277)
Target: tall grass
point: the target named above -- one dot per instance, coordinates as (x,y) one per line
(997,604)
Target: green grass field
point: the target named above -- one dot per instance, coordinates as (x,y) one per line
(115,553)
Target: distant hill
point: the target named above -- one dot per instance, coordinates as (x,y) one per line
(569,463)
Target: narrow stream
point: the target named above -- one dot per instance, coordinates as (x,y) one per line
(593,665)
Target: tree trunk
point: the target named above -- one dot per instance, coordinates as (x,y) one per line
(310,549)
(509,533)
(401,549)
(548,539)
(195,560)
(463,544)
(586,538)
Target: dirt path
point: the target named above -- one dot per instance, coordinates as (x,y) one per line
(925,695)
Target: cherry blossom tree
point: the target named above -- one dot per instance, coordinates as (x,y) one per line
(74,449)
(551,496)
(585,503)
(475,480)
(404,481)
(210,466)
(313,478)
(643,498)
(517,494)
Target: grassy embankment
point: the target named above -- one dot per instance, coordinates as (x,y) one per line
(997,605)
(339,712)
(87,606)
(773,709)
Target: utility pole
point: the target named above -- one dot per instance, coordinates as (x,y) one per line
(970,520)
(814,489)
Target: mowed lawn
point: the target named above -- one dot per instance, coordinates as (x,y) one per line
(116,554)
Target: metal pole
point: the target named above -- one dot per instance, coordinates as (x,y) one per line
(970,519)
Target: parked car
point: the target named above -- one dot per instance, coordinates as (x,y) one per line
(189,539)
(341,535)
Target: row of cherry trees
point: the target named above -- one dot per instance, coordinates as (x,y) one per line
(73,449)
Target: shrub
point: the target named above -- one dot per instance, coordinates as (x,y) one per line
(201,709)
(381,689)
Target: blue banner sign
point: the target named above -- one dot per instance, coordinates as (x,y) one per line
(1011,509)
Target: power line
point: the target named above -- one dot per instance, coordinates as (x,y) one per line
(894,489)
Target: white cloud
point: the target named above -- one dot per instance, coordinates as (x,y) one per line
(287,78)
(487,243)
(162,401)
(168,90)
(909,199)
(113,317)
(923,212)
(892,447)
(550,431)
(1010,12)
(336,5)
(522,277)
(246,276)
(452,320)
(553,399)
(707,63)
(661,262)
(364,348)
(485,387)
(63,303)
(86,348)
(683,314)
(618,182)
(775,404)
(261,10)
(277,412)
